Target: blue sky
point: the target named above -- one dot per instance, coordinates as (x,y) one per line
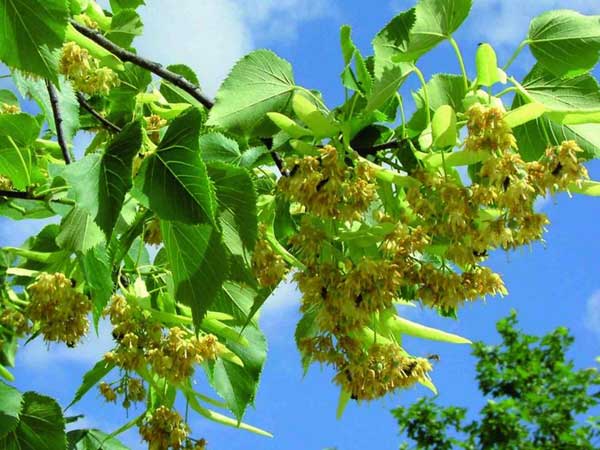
(554,284)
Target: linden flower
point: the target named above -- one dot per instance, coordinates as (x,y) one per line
(152,233)
(107,392)
(269,266)
(6,108)
(488,130)
(5,183)
(15,320)
(59,309)
(164,429)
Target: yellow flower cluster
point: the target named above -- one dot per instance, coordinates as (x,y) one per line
(327,186)
(6,108)
(488,130)
(172,353)
(268,266)
(132,389)
(164,429)
(154,122)
(15,321)
(59,310)
(85,71)
(5,183)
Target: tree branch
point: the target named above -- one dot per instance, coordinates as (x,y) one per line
(29,196)
(58,121)
(152,66)
(160,71)
(99,117)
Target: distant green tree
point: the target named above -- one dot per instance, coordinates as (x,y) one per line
(536,399)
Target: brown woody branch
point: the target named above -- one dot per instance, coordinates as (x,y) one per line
(60,136)
(99,117)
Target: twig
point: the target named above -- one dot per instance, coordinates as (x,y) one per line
(58,121)
(99,117)
(160,71)
(29,196)
(152,66)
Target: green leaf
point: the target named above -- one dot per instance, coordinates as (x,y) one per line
(16,163)
(261,82)
(174,179)
(393,39)
(565,42)
(41,426)
(443,89)
(93,440)
(198,261)
(67,102)
(30,31)
(218,147)
(487,66)
(284,123)
(443,127)
(313,117)
(576,94)
(91,378)
(435,21)
(97,269)
(235,384)
(386,85)
(523,114)
(22,128)
(118,5)
(236,197)
(79,232)
(172,93)
(10,408)
(124,28)
(100,182)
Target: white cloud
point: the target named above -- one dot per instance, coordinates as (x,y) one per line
(506,22)
(592,313)
(40,355)
(210,36)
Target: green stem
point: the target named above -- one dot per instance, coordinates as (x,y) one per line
(287,256)
(402,115)
(515,54)
(506,91)
(425,94)
(461,61)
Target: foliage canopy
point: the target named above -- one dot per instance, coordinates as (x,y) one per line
(365,206)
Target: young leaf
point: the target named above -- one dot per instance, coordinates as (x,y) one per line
(442,89)
(565,42)
(172,93)
(443,127)
(17,164)
(386,85)
(261,82)
(313,117)
(199,264)
(10,408)
(125,26)
(523,114)
(91,378)
(22,128)
(487,66)
(284,123)
(41,426)
(435,21)
(218,147)
(174,180)
(30,31)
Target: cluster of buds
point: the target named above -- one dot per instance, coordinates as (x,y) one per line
(172,353)
(15,321)
(7,108)
(59,310)
(85,71)
(132,390)
(5,183)
(268,265)
(328,187)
